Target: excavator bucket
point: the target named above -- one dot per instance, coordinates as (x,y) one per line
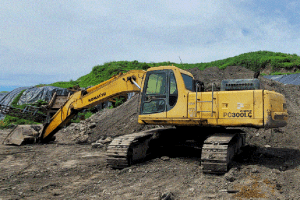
(22,134)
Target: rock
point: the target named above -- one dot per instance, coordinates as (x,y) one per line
(289,163)
(76,127)
(167,196)
(56,192)
(278,186)
(92,125)
(82,133)
(254,170)
(267,146)
(165,158)
(229,191)
(286,165)
(105,141)
(230,178)
(282,168)
(81,128)
(82,138)
(97,145)
(210,196)
(125,170)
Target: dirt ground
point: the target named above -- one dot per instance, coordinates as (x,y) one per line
(70,168)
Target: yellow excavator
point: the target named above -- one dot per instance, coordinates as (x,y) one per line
(171,96)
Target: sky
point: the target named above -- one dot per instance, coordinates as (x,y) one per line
(43,42)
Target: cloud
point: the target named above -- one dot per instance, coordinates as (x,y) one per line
(63,40)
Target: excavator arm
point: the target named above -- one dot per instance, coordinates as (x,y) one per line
(114,87)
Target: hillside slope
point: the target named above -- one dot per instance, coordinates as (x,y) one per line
(265,61)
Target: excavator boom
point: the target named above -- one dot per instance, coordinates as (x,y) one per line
(116,86)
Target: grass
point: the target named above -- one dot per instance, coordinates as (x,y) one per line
(9,120)
(82,115)
(253,60)
(288,73)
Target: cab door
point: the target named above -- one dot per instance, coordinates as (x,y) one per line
(154,97)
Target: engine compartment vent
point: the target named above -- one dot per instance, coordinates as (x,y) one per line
(240,84)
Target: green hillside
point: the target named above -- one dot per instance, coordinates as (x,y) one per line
(254,61)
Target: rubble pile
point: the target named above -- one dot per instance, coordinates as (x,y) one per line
(105,123)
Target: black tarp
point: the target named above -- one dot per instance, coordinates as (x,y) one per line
(8,98)
(31,95)
(45,93)
(2,95)
(293,79)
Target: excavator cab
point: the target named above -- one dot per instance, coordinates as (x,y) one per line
(164,96)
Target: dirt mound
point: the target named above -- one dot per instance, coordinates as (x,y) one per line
(106,123)
(215,75)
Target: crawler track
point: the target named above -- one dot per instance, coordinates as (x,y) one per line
(128,149)
(218,151)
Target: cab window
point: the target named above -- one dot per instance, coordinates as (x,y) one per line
(156,93)
(188,81)
(173,96)
(156,84)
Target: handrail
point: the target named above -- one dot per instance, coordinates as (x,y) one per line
(212,99)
